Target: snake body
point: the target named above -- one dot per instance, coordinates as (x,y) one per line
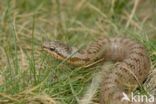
(131,67)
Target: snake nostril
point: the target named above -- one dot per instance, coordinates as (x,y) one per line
(43,46)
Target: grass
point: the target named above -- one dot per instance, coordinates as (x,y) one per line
(27,73)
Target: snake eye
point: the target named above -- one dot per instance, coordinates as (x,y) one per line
(52,48)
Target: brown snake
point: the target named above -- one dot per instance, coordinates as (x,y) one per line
(132,65)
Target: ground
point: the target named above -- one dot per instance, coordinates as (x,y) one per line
(30,75)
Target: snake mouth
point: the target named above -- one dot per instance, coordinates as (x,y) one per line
(44,48)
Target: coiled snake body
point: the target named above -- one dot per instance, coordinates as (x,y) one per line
(130,70)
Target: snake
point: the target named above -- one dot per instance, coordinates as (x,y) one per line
(131,64)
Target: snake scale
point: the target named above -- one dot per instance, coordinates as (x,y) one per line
(132,64)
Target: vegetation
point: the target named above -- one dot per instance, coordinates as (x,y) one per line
(29,75)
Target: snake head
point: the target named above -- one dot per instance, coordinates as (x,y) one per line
(62,51)
(57,49)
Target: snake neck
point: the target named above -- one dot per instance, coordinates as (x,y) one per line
(78,57)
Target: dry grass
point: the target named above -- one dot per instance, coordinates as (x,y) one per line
(28,75)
